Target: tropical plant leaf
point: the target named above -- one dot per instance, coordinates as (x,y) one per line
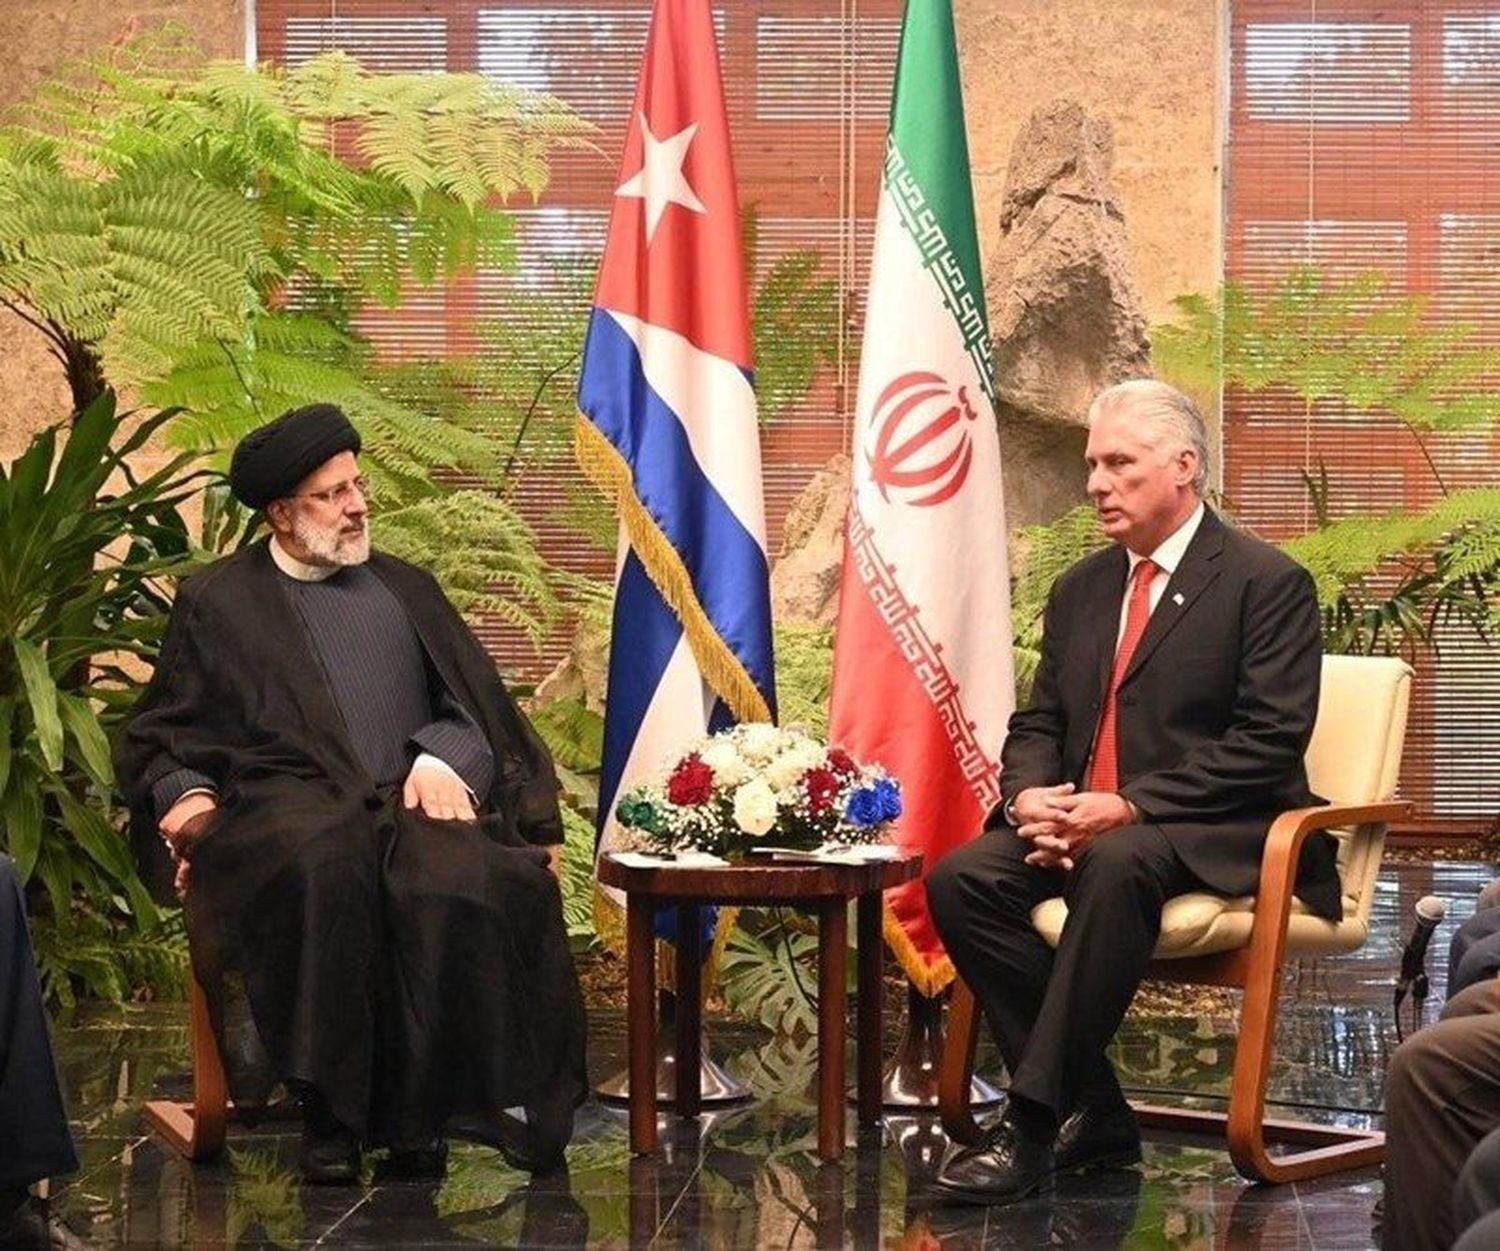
(41,694)
(82,723)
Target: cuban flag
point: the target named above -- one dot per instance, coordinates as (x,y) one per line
(669,425)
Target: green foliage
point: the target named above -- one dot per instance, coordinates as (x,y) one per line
(1042,553)
(108,954)
(768,974)
(574,733)
(804,674)
(1385,582)
(1389,581)
(210,233)
(84,546)
(1349,341)
(480,549)
(577,880)
(265,1199)
(795,321)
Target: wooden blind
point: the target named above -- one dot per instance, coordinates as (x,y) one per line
(1365,135)
(808,85)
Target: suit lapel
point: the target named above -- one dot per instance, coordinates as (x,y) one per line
(1194,575)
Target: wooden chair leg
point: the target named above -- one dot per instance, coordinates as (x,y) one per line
(1330,1149)
(956,1068)
(196,1129)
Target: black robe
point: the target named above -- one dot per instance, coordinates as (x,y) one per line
(414,972)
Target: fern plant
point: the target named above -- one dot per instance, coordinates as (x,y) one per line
(209,234)
(1388,581)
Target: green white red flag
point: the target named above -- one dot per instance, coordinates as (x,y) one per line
(923,674)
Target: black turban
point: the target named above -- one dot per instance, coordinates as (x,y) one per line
(271,460)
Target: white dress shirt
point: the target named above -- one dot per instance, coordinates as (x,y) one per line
(1167,556)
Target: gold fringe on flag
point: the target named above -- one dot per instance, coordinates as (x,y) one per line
(602,463)
(930,979)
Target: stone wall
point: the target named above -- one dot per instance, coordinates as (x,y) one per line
(38,36)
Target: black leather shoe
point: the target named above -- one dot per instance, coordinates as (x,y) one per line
(1096,1137)
(330,1158)
(33,1226)
(427,1161)
(1007,1167)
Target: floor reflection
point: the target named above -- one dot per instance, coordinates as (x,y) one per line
(749,1175)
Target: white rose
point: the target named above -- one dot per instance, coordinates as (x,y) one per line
(759,740)
(783,772)
(755,807)
(808,754)
(723,758)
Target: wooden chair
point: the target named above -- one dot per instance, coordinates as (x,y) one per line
(1354,759)
(196,1129)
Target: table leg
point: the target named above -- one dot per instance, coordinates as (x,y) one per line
(868,1038)
(833,930)
(689,1009)
(640,995)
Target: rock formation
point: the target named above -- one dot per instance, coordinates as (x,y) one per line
(1065,312)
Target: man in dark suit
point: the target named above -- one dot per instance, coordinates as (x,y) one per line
(1175,696)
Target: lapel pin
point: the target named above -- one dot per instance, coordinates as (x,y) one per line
(1177,598)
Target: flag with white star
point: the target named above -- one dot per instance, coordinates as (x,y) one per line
(668,426)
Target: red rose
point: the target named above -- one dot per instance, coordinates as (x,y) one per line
(692,782)
(822,789)
(841,762)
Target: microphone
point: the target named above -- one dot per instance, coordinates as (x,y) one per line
(1430,913)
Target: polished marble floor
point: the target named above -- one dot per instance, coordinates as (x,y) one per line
(750,1176)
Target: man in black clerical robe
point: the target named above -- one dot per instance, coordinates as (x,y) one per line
(361,824)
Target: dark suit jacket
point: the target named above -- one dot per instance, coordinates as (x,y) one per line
(1215,711)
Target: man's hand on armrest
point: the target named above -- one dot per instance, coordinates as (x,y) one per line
(554,859)
(434,787)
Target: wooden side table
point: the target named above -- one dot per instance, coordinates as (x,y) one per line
(826,887)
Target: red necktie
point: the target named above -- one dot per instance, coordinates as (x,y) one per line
(1104,772)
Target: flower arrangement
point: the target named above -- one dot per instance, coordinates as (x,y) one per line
(759,786)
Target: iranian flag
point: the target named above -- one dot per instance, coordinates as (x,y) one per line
(923,680)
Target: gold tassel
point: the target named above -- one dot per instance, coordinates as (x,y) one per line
(930,979)
(603,465)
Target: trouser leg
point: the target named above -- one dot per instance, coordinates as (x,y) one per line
(1115,894)
(34,1137)
(1442,1096)
(1477,1192)
(981,897)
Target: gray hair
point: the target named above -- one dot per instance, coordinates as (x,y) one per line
(1172,416)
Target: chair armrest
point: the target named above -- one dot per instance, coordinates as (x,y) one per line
(1278,864)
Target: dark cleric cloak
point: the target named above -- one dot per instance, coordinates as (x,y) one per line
(415,972)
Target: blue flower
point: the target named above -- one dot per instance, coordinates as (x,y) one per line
(870,805)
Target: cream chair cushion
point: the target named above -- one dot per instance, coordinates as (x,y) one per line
(1354,758)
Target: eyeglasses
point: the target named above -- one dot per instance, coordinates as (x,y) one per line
(340,494)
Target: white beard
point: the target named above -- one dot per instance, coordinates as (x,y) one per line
(330,545)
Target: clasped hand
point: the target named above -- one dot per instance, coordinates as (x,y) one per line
(1060,822)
